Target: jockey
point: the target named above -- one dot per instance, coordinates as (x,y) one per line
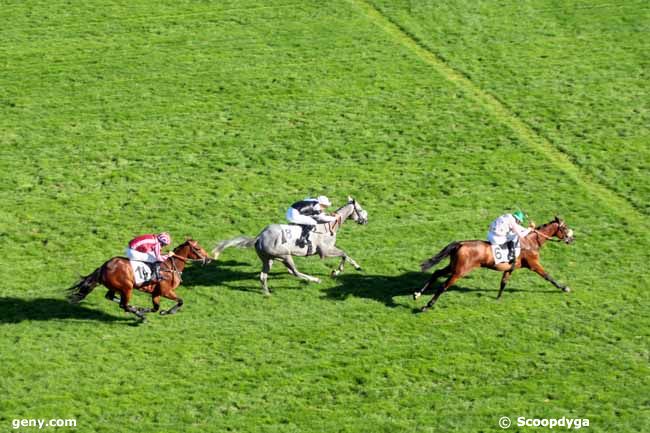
(307,213)
(146,248)
(507,229)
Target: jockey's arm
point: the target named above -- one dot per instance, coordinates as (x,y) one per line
(519,230)
(159,257)
(324,218)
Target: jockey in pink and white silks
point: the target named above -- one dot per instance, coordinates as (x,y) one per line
(146,248)
(307,213)
(507,229)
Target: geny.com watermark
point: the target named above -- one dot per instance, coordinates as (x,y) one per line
(43,423)
(564,422)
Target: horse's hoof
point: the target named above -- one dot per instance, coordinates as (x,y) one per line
(359,269)
(567,289)
(266,293)
(335,274)
(416,296)
(163,312)
(317,280)
(424,309)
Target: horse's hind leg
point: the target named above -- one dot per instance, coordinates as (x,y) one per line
(504,281)
(288,262)
(264,275)
(437,274)
(450,282)
(124,303)
(110,295)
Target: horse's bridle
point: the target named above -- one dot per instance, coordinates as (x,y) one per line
(356,211)
(203,259)
(560,226)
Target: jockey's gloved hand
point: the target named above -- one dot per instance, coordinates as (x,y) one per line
(532,224)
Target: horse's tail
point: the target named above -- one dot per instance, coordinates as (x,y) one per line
(239,242)
(446,251)
(85,285)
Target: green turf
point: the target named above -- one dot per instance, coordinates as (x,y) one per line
(208,119)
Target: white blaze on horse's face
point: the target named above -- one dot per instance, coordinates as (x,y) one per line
(565,231)
(359,215)
(363,217)
(568,238)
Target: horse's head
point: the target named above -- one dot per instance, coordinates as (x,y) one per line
(563,231)
(191,250)
(359,215)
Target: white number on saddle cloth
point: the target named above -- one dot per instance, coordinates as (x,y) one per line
(501,254)
(142,272)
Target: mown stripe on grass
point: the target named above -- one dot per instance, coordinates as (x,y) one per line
(619,204)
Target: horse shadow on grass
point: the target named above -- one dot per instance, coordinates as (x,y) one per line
(219,274)
(387,289)
(381,288)
(225,272)
(16,310)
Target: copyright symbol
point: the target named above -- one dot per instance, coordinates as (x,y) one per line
(504,422)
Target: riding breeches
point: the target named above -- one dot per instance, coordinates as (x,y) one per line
(140,257)
(295,217)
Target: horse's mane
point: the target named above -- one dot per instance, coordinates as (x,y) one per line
(347,204)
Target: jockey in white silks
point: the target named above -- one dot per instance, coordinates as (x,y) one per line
(307,213)
(507,229)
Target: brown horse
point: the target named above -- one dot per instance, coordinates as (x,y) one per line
(467,255)
(117,275)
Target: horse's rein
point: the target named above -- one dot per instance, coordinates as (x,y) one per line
(550,238)
(174,268)
(333,224)
(186,259)
(339,218)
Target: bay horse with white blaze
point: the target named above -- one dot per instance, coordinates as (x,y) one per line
(468,255)
(117,275)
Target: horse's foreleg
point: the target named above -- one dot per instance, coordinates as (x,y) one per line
(155,300)
(335,252)
(504,281)
(437,274)
(536,267)
(288,262)
(171,295)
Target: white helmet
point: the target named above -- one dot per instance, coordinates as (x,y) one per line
(324,201)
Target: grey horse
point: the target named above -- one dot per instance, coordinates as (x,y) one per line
(278,242)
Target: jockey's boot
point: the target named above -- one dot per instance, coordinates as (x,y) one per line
(511,254)
(304,238)
(156,274)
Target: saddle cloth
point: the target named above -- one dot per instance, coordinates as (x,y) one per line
(500,252)
(141,271)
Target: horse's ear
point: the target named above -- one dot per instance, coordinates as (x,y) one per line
(350,199)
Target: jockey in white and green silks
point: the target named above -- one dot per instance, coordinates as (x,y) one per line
(307,213)
(508,229)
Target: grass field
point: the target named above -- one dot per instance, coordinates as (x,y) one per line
(207,119)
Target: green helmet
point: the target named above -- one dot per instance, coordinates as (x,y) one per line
(519,216)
